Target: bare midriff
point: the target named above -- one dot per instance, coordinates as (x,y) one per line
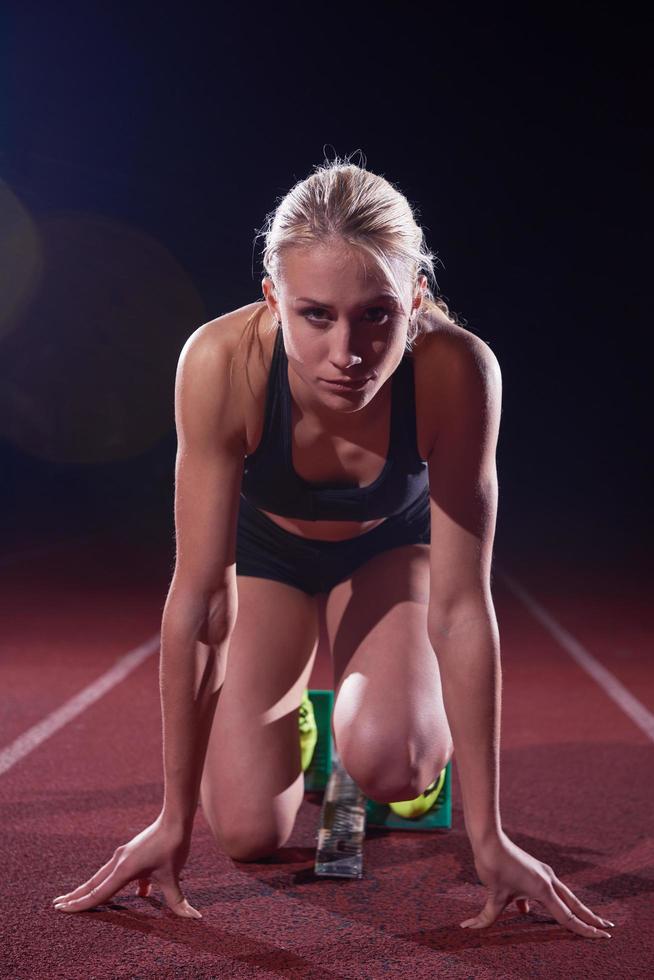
(323,530)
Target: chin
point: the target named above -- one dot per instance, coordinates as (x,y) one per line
(347,402)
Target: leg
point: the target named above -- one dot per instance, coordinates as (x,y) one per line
(252,783)
(389,722)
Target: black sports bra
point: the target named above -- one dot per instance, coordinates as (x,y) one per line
(271,483)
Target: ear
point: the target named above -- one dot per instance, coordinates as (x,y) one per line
(270,296)
(418,292)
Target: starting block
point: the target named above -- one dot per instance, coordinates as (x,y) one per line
(317,775)
(346,811)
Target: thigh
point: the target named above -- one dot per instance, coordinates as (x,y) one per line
(252,784)
(389,722)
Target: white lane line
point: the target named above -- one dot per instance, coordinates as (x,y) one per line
(631,706)
(38,733)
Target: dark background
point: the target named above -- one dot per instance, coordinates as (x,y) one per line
(143,146)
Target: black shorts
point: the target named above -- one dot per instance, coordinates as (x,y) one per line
(266,550)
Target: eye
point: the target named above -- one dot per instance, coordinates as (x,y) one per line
(311,314)
(378,309)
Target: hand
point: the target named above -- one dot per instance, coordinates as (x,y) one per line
(156,854)
(511,874)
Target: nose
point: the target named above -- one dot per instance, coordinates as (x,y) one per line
(342,353)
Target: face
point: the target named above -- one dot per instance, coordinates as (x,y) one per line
(340,323)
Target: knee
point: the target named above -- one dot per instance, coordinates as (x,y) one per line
(247,829)
(251,849)
(253,843)
(383,772)
(389,773)
(387,783)
(256,837)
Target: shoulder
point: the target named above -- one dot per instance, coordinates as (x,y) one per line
(456,371)
(223,340)
(224,333)
(449,347)
(214,362)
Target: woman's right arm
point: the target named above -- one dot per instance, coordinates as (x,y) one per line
(199,616)
(200,610)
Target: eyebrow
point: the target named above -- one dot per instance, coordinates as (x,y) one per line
(371,299)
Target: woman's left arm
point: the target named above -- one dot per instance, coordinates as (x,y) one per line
(463,628)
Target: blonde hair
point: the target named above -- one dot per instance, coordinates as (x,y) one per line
(341,201)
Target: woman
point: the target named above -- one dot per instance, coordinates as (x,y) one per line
(344,470)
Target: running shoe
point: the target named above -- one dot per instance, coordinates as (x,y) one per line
(308,731)
(414,809)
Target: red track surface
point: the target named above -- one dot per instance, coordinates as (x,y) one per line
(576,791)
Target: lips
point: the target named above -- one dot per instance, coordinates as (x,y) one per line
(354,382)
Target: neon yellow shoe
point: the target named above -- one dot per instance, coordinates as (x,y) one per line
(413,809)
(308,731)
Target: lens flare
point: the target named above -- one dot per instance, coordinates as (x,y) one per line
(89,376)
(20,259)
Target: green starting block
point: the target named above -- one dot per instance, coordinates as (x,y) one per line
(317,776)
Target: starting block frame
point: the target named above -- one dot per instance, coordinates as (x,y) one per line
(343,802)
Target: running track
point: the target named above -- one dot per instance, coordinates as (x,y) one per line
(80,773)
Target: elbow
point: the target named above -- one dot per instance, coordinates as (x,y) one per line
(218,622)
(220,616)
(475,614)
(209,619)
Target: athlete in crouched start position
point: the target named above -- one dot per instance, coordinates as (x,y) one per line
(336,469)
